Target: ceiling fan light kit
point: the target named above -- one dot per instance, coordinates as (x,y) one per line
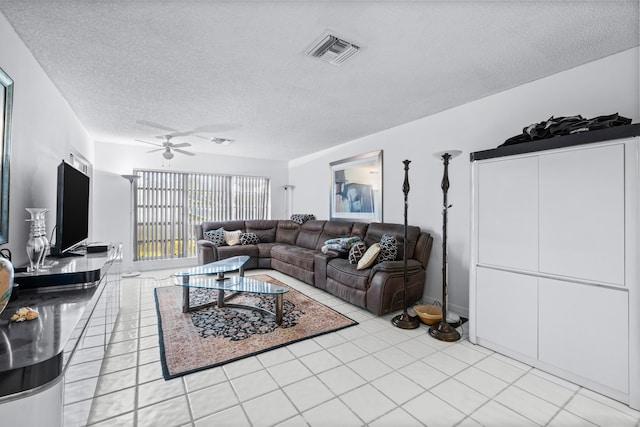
(169,147)
(168,154)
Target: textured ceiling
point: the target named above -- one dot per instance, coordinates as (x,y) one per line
(238,70)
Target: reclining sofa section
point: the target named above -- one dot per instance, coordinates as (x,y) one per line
(295,250)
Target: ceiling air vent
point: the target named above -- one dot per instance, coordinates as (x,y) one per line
(333,50)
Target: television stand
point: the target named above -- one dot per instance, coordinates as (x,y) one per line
(70,268)
(74,253)
(78,252)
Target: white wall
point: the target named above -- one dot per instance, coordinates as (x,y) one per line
(44,131)
(111,214)
(602,87)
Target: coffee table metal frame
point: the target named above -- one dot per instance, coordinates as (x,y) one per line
(211,276)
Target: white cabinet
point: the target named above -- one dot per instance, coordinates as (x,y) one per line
(582,214)
(508,213)
(584,330)
(512,326)
(554,277)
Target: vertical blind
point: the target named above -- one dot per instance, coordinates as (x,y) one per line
(170,204)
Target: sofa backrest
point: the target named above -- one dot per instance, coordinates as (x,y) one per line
(214,225)
(265,229)
(287,232)
(360,229)
(310,234)
(377,229)
(333,230)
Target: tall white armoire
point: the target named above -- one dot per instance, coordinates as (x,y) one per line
(555,259)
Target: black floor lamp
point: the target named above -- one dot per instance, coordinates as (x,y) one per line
(403,320)
(443,331)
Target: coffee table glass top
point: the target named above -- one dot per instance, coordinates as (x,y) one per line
(235,284)
(222,266)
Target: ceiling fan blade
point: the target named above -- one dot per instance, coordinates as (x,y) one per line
(182,144)
(147,142)
(220,127)
(157,149)
(155,125)
(188,153)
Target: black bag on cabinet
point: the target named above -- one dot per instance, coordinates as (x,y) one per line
(557,126)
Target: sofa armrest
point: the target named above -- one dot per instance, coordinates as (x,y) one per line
(207,252)
(386,286)
(413,266)
(423,249)
(320,268)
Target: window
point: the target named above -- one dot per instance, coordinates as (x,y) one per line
(171,204)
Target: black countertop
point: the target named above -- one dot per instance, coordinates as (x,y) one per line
(34,352)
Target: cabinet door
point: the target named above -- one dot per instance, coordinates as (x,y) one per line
(507,310)
(585,330)
(582,214)
(508,213)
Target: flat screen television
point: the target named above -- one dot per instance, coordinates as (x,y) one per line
(72,213)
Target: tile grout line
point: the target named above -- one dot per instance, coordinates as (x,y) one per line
(367,333)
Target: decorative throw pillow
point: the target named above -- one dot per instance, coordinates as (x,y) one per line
(302,218)
(232,237)
(215,236)
(388,248)
(356,252)
(249,239)
(369,257)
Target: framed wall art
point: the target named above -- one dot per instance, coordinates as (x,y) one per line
(356,188)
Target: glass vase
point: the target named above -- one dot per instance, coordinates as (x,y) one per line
(37,243)
(40,219)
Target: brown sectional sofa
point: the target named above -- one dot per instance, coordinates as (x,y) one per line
(295,249)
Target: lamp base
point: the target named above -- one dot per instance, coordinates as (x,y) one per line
(404,321)
(444,332)
(130,274)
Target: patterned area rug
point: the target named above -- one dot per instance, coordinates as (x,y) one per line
(210,336)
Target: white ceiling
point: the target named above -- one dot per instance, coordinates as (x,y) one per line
(237,69)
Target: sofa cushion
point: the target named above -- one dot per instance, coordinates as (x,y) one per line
(341,271)
(287,232)
(215,236)
(265,229)
(249,239)
(264,249)
(369,257)
(388,248)
(236,250)
(356,252)
(294,255)
(309,234)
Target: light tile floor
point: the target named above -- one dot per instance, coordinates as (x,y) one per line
(373,374)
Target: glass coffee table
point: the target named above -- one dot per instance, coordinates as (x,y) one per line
(211,276)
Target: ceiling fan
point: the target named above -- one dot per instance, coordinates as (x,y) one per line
(169,147)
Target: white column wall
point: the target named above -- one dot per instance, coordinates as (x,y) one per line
(606,86)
